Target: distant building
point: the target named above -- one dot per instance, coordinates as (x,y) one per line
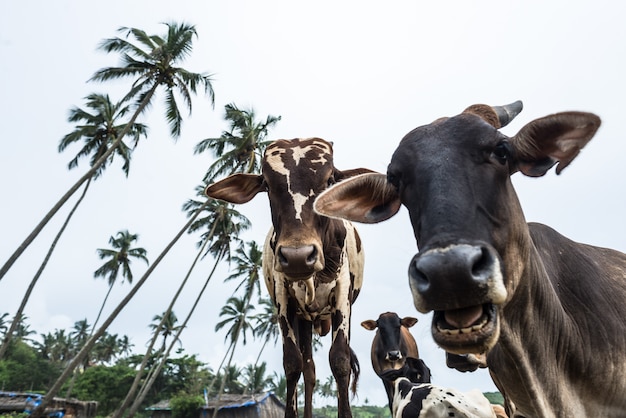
(263,405)
(58,407)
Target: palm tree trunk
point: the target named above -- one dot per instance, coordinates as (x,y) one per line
(33,282)
(102,307)
(106,297)
(150,382)
(235,340)
(87,176)
(224,376)
(131,392)
(38,412)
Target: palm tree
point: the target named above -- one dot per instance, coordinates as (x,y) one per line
(256,379)
(56,386)
(266,325)
(118,258)
(79,334)
(106,349)
(98,130)
(3,323)
(236,313)
(125,346)
(278,384)
(166,326)
(153,64)
(240,149)
(224,224)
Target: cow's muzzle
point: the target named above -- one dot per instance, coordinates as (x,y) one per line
(463,284)
(298,262)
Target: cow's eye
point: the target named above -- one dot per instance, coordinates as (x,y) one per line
(502,152)
(331,181)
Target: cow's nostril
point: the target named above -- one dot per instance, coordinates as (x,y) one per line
(312,258)
(416,274)
(482,264)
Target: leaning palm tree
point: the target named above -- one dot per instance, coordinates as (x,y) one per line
(56,386)
(97,127)
(223,224)
(240,148)
(153,62)
(236,310)
(118,258)
(266,325)
(236,313)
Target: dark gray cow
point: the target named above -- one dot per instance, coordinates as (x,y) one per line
(391,345)
(313,265)
(550,313)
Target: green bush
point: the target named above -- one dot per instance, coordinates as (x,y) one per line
(186,406)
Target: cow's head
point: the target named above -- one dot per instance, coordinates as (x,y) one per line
(393,342)
(453,176)
(294,172)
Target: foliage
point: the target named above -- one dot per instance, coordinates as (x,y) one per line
(495,398)
(107,385)
(365,411)
(15,415)
(24,370)
(185,406)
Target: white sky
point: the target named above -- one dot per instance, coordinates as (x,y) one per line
(358,73)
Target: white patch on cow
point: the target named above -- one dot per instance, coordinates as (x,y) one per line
(275,160)
(299,200)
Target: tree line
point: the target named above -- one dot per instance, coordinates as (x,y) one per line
(107,372)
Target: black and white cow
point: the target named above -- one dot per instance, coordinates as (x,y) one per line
(313,265)
(549,312)
(414,397)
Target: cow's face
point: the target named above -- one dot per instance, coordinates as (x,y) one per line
(393,342)
(294,172)
(453,177)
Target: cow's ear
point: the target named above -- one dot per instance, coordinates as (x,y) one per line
(369,324)
(408,321)
(366,198)
(238,188)
(553,139)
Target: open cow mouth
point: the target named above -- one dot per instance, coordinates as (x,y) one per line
(473,329)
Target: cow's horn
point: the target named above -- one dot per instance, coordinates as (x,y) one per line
(508,112)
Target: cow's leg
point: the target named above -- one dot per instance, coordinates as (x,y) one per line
(305,329)
(339,358)
(292,357)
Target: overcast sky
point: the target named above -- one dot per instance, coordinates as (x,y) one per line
(358,73)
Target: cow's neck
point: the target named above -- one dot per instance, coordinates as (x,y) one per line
(540,342)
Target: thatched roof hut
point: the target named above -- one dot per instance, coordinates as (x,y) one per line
(263,405)
(58,407)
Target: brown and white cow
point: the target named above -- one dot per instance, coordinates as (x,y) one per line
(549,312)
(391,345)
(313,265)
